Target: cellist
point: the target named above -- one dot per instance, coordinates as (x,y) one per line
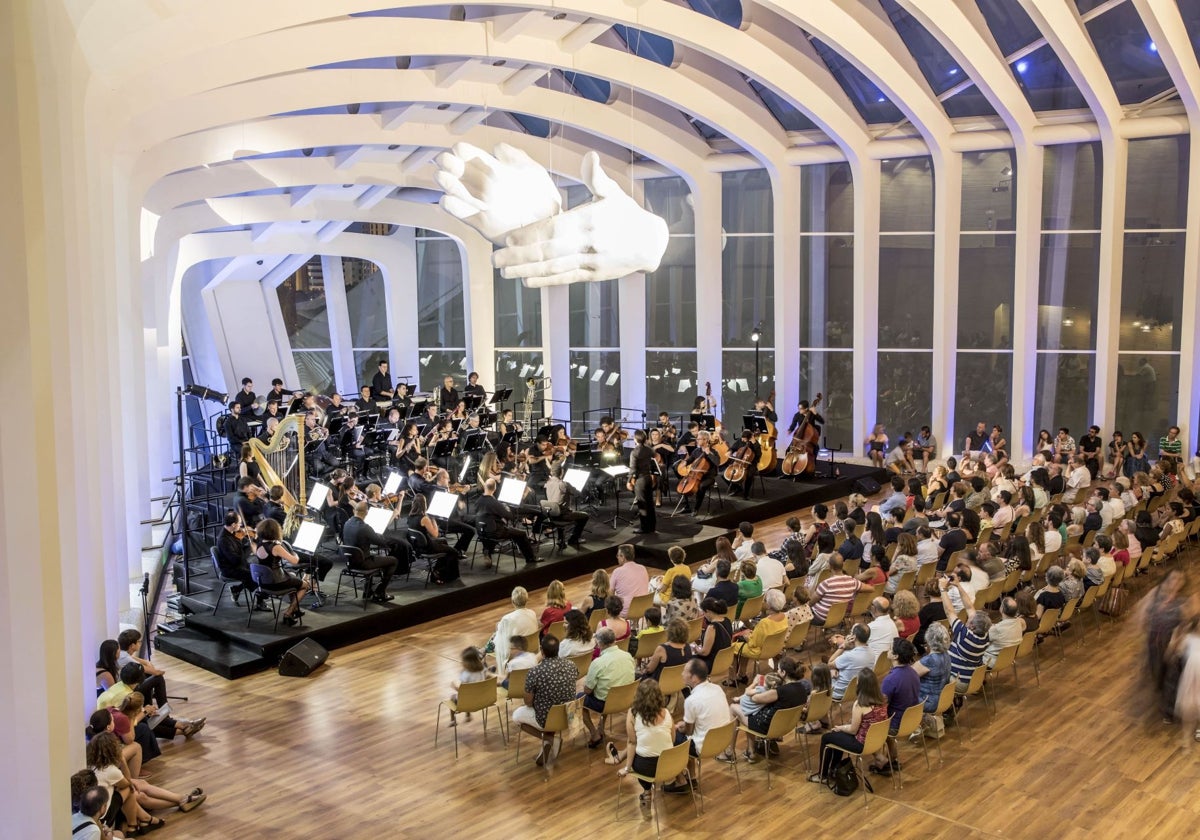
(747,455)
(703,451)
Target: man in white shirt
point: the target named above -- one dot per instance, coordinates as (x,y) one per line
(705,708)
(972,578)
(1077,481)
(1116,506)
(883,627)
(743,541)
(771,572)
(927,547)
(1005,632)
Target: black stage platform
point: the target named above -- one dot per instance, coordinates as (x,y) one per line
(223,644)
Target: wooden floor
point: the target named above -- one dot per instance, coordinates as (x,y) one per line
(348,753)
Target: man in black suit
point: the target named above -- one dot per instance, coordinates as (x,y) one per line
(358,534)
(381,384)
(249,501)
(237,431)
(473,389)
(641,481)
(448,395)
(492,516)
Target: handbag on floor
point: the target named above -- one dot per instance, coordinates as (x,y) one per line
(844,781)
(1113,603)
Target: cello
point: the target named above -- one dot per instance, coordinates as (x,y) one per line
(717,436)
(736,471)
(801,455)
(769,458)
(695,476)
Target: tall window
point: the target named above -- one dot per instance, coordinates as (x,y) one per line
(595,335)
(306,319)
(827,297)
(366,302)
(1152,286)
(671,379)
(906,296)
(441,322)
(1067,288)
(748,292)
(987,261)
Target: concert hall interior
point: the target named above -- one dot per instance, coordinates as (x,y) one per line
(367,313)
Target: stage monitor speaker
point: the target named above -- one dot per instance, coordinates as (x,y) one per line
(302,659)
(866,486)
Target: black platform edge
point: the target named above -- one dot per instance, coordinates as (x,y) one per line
(248,656)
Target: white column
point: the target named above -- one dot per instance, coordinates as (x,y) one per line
(400,293)
(556,348)
(1108,295)
(706,195)
(947,227)
(1027,263)
(632,297)
(479,304)
(867,183)
(785,195)
(345,372)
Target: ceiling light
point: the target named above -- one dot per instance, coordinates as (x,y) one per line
(1153,47)
(1022,66)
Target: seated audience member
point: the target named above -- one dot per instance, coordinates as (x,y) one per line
(681,606)
(835,589)
(882,626)
(902,688)
(557,605)
(773,625)
(800,612)
(826,544)
(1005,632)
(133,675)
(600,590)
(652,622)
(869,707)
(718,630)
(519,658)
(903,562)
(672,652)
(678,558)
(651,732)
(967,641)
(750,586)
(772,572)
(154,688)
(106,665)
(876,573)
(578,637)
(549,683)
(613,667)
(743,540)
(519,621)
(621,627)
(933,669)
(1072,584)
(795,535)
(764,702)
(906,611)
(105,720)
(851,655)
(89,804)
(704,709)
(724,589)
(1050,596)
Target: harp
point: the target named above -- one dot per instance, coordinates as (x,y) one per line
(281,461)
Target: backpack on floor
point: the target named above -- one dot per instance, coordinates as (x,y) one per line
(844,781)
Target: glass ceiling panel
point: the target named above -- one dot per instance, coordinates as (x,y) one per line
(536,126)
(870,102)
(1086,6)
(937,65)
(589,87)
(969,102)
(1128,55)
(705,130)
(645,45)
(789,117)
(1189,10)
(1045,81)
(1010,26)
(728,12)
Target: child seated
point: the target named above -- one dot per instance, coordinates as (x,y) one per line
(765,682)
(651,623)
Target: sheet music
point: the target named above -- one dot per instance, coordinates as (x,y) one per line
(308,537)
(512,491)
(392,484)
(576,478)
(316,499)
(379,519)
(442,505)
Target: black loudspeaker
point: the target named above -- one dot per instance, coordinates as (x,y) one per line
(866,486)
(302,659)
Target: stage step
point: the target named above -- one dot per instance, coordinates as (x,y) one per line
(217,655)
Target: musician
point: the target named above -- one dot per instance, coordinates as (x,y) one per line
(443,431)
(381,384)
(701,405)
(420,480)
(507,424)
(612,432)
(460,411)
(273,509)
(320,459)
(607,448)
(703,451)
(804,415)
(249,503)
(749,451)
(360,535)
(766,409)
(448,394)
(232,550)
(393,426)
(455,524)
(474,389)
(493,516)
(245,397)
(537,461)
(558,505)
(274,412)
(340,500)
(664,455)
(277,392)
(408,448)
(337,407)
(641,482)
(248,467)
(688,441)
(667,429)
(351,441)
(489,467)
(237,431)
(444,569)
(364,403)
(429,420)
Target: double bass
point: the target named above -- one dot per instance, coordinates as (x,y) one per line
(717,437)
(769,458)
(801,455)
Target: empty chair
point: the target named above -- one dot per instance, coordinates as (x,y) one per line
(472,697)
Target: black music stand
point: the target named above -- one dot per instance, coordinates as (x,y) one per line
(755,422)
(473,440)
(472,401)
(618,472)
(707,422)
(445,448)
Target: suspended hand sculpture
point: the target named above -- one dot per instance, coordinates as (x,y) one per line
(512,201)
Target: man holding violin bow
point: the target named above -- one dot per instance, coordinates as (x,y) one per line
(232,548)
(741,472)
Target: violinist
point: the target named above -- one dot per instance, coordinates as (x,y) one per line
(703,451)
(233,547)
(381,384)
(375,498)
(420,480)
(249,505)
(448,394)
(364,403)
(605,446)
(537,461)
(408,447)
(274,507)
(664,455)
(339,503)
(460,411)
(455,524)
(612,432)
(667,429)
(489,467)
(641,482)
(749,452)
(767,410)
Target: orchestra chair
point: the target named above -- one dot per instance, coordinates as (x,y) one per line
(492,546)
(877,735)
(715,742)
(262,577)
(472,697)
(783,722)
(671,763)
(558,721)
(421,553)
(353,570)
(228,581)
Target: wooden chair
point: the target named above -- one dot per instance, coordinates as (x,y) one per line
(946,704)
(1010,581)
(595,618)
(695,629)
(772,647)
(750,609)
(783,722)
(836,615)
(862,601)
(789,588)
(1045,627)
(907,580)
(797,637)
(533,643)
(671,763)
(1087,604)
(1027,649)
(910,722)
(877,735)
(647,642)
(716,740)
(638,606)
(848,696)
(882,665)
(1005,659)
(974,689)
(618,701)
(472,697)
(722,662)
(582,661)
(670,682)
(819,704)
(557,629)
(924,575)
(1068,612)
(515,690)
(558,721)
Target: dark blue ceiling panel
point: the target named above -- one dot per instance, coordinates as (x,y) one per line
(867,98)
(1128,54)
(1045,81)
(1010,26)
(645,45)
(788,116)
(728,12)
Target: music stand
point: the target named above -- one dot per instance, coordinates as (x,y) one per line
(316,499)
(307,539)
(473,440)
(445,448)
(417,407)
(472,401)
(392,484)
(379,518)
(577,478)
(442,505)
(616,472)
(486,418)
(707,422)
(501,395)
(755,423)
(512,491)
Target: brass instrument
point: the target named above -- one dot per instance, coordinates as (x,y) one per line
(281,463)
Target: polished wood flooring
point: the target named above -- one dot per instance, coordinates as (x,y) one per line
(348,753)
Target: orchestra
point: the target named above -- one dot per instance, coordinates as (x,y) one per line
(451,441)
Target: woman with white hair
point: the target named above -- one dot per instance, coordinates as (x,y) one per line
(934,670)
(750,647)
(520,621)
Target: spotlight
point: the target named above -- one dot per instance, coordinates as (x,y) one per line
(757,333)
(352,108)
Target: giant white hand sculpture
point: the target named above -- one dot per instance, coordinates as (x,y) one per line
(609,237)
(495,194)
